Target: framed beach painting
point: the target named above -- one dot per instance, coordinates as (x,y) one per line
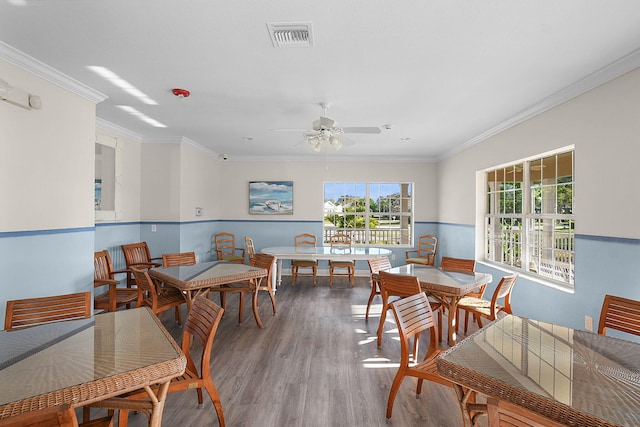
(271,197)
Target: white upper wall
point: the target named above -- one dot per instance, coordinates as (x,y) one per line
(604,126)
(46,157)
(308,179)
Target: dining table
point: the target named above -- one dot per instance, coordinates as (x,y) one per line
(353,253)
(570,376)
(197,279)
(448,287)
(80,362)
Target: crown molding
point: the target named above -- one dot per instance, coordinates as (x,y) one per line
(48,73)
(116,130)
(604,75)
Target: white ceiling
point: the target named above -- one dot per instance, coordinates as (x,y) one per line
(444,73)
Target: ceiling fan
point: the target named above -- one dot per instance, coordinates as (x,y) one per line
(326,131)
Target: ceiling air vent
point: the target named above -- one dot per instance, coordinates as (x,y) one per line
(291,34)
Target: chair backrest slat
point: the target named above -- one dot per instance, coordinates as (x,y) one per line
(458,264)
(37,311)
(622,314)
(377,264)
(305,239)
(202,322)
(136,253)
(103,268)
(182,258)
(251,250)
(413,315)
(398,285)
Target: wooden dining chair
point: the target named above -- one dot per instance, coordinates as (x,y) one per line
(467,266)
(252,286)
(104,275)
(202,323)
(621,314)
(138,255)
(413,315)
(226,250)
(399,285)
(375,266)
(482,308)
(301,241)
(54,416)
(159,299)
(177,259)
(425,252)
(22,313)
(249,247)
(341,242)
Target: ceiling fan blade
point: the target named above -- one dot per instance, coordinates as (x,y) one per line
(290,130)
(356,129)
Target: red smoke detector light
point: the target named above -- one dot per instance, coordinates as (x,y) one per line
(181,93)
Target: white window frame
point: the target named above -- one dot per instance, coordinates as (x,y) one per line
(389,236)
(557,269)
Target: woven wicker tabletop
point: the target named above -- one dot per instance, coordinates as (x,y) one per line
(577,378)
(121,352)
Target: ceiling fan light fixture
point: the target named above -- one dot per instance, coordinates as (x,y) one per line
(335,142)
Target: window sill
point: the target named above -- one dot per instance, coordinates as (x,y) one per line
(537,279)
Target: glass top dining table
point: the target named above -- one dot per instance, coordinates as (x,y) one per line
(446,286)
(353,253)
(84,361)
(572,376)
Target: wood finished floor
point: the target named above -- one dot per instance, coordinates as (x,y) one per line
(315,363)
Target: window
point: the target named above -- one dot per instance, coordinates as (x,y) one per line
(529,223)
(108,170)
(371,213)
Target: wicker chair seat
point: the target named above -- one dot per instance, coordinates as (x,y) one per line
(477,305)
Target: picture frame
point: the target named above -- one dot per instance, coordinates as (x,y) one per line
(271,197)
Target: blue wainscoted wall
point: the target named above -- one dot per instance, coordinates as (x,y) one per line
(47,262)
(603,264)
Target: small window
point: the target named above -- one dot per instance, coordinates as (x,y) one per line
(529,222)
(371,213)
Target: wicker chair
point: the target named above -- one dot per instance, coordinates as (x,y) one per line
(619,313)
(304,240)
(225,244)
(375,266)
(202,324)
(137,255)
(482,308)
(159,299)
(104,275)
(261,261)
(341,241)
(425,253)
(413,315)
(182,258)
(28,312)
(54,416)
(399,286)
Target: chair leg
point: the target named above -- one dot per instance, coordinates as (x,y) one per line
(373,294)
(294,271)
(395,386)
(383,317)
(215,399)
(273,300)
(241,307)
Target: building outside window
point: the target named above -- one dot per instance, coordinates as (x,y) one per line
(370,213)
(529,220)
